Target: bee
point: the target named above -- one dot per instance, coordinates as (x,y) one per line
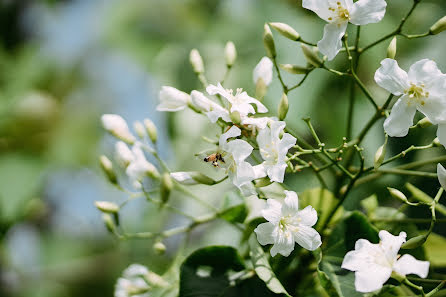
(214,158)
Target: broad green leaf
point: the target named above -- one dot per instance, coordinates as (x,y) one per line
(370,204)
(323,201)
(263,269)
(235,208)
(435,247)
(211,272)
(343,238)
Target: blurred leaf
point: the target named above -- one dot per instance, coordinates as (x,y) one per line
(435,247)
(323,201)
(343,238)
(262,267)
(235,208)
(370,204)
(423,197)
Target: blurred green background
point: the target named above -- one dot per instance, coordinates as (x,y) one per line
(64,63)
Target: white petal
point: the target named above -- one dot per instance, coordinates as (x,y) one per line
(172,99)
(259,171)
(441,172)
(135,270)
(260,123)
(248,99)
(123,154)
(356,260)
(434,108)
(371,279)
(308,238)
(441,134)
(320,7)
(276,128)
(308,216)
(214,90)
(400,118)
(391,77)
(201,101)
(248,190)
(437,86)
(117,126)
(272,212)
(367,11)
(287,142)
(290,203)
(264,233)
(284,247)
(234,131)
(424,71)
(245,173)
(263,70)
(407,264)
(239,149)
(331,43)
(391,244)
(276,172)
(215,114)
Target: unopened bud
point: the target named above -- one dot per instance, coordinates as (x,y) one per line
(311,56)
(107,167)
(283,107)
(139,129)
(414,242)
(159,248)
(379,156)
(166,187)
(109,222)
(151,130)
(294,69)
(155,280)
(107,206)
(286,31)
(192,178)
(123,154)
(439,26)
(398,195)
(263,182)
(117,126)
(235,117)
(196,61)
(424,123)
(268,42)
(391,50)
(230,54)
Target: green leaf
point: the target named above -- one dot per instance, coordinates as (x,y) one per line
(235,209)
(211,272)
(435,247)
(323,201)
(263,269)
(423,197)
(338,281)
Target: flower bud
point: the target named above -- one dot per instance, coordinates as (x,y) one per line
(159,248)
(424,123)
(230,54)
(283,107)
(151,130)
(235,117)
(268,42)
(311,56)
(414,242)
(172,99)
(107,206)
(263,71)
(166,187)
(439,26)
(391,50)
(123,154)
(107,167)
(139,129)
(285,30)
(261,89)
(294,69)
(196,61)
(192,178)
(109,222)
(155,280)
(398,195)
(379,156)
(117,126)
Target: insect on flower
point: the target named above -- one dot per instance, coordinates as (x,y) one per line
(214,158)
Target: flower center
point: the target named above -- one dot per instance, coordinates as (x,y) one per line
(417,93)
(235,97)
(270,153)
(341,14)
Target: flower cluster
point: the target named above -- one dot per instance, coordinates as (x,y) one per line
(138,281)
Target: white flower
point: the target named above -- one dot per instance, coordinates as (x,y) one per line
(123,154)
(133,283)
(264,71)
(423,88)
(209,107)
(117,126)
(441,172)
(240,102)
(338,13)
(287,225)
(172,99)
(373,263)
(139,167)
(274,150)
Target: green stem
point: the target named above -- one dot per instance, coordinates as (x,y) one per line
(408,172)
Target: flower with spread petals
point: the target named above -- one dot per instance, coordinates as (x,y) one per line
(139,167)
(338,13)
(287,225)
(213,110)
(172,99)
(422,88)
(373,263)
(441,172)
(274,149)
(263,71)
(240,102)
(117,126)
